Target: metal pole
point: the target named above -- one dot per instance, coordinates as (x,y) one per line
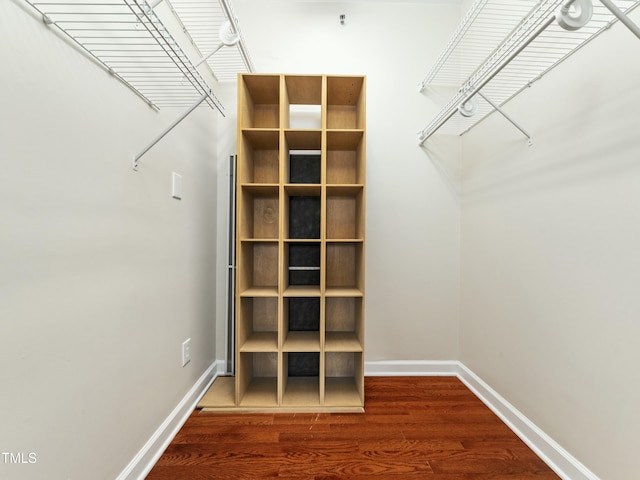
(231,269)
(504,114)
(622,17)
(205,58)
(171,127)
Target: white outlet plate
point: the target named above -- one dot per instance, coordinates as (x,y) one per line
(186,351)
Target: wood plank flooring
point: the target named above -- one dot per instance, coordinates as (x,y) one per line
(413,427)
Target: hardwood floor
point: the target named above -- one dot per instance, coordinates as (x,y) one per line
(413,427)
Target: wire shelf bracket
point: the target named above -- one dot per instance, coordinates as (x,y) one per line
(548,34)
(167,130)
(129,40)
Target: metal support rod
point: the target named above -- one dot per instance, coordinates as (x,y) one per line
(622,17)
(473,89)
(171,127)
(504,114)
(204,59)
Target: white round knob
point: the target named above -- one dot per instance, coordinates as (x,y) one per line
(576,16)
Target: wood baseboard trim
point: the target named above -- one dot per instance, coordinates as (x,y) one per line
(145,459)
(556,457)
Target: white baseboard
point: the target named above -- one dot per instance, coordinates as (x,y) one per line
(149,454)
(556,457)
(395,368)
(561,461)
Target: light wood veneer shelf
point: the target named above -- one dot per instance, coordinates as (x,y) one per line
(300,244)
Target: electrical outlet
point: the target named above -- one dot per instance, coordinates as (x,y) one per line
(186,351)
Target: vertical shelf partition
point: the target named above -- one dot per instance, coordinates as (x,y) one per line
(300,243)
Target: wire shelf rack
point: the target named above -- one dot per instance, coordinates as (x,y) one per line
(128,39)
(202,19)
(534,44)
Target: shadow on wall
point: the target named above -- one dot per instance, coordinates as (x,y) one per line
(568,147)
(444,153)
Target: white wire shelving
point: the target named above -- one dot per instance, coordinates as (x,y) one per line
(128,39)
(202,20)
(501,47)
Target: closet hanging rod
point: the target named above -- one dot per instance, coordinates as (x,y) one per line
(546,49)
(620,15)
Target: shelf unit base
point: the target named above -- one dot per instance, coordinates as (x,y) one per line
(220,398)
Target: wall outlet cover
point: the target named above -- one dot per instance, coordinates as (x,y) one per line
(186,351)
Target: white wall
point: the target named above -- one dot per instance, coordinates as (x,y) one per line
(550,260)
(102,273)
(412,279)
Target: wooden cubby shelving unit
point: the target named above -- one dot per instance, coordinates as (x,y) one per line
(300,245)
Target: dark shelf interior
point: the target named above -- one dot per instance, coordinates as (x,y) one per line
(304,314)
(304,217)
(304,168)
(304,364)
(304,264)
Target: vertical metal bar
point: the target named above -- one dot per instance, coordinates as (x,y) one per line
(171,127)
(622,17)
(231,268)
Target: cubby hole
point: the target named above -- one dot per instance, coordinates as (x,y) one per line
(258,375)
(260,213)
(303,215)
(345,158)
(258,324)
(304,263)
(343,324)
(303,99)
(261,106)
(345,105)
(303,314)
(301,379)
(305,117)
(302,155)
(344,265)
(344,378)
(258,274)
(303,364)
(345,213)
(259,157)
(302,324)
(305,166)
